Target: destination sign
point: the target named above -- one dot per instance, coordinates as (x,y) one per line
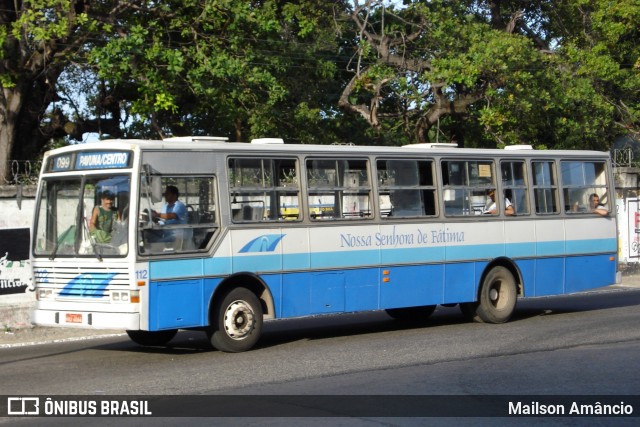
(60,163)
(102,160)
(90,160)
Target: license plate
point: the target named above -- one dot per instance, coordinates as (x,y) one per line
(73,318)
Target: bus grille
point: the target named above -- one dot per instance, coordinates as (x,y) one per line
(86,282)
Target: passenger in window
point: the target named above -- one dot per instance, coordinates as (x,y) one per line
(103,218)
(596,206)
(173,211)
(491,207)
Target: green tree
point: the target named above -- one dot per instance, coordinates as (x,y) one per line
(584,92)
(482,73)
(233,68)
(487,73)
(150,69)
(41,39)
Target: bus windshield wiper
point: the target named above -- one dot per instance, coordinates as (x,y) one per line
(94,246)
(58,241)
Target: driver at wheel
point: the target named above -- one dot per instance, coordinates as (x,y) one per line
(173,211)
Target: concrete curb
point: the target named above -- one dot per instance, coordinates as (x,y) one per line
(92,335)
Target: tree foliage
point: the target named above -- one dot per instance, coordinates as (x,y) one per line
(493,73)
(481,73)
(41,40)
(226,67)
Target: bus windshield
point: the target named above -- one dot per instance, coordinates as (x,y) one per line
(83,216)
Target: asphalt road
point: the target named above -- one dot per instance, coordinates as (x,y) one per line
(582,344)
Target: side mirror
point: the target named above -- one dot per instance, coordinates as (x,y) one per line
(156,189)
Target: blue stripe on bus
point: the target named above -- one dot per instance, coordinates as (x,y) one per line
(488,251)
(185,302)
(294,261)
(520,250)
(550,248)
(272,262)
(591,246)
(181,267)
(263,262)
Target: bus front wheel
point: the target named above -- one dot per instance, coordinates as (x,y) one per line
(236,321)
(498,296)
(152,338)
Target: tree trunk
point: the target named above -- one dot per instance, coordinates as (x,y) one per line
(10,104)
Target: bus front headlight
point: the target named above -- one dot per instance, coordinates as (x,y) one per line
(43,294)
(125,296)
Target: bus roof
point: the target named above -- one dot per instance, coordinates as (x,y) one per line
(273,145)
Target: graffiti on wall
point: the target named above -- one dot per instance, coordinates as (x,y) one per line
(15,276)
(15,268)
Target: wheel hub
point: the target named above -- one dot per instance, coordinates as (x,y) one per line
(238,320)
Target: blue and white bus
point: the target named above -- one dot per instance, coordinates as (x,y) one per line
(275,231)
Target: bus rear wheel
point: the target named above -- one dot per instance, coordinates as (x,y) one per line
(236,321)
(152,338)
(498,296)
(411,313)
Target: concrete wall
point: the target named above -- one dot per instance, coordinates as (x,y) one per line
(16,298)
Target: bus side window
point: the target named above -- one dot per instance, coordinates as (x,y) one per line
(263,189)
(193,233)
(580,181)
(514,182)
(545,188)
(465,184)
(406,188)
(338,189)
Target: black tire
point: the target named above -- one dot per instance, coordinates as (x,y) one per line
(236,321)
(498,296)
(412,313)
(470,311)
(152,338)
